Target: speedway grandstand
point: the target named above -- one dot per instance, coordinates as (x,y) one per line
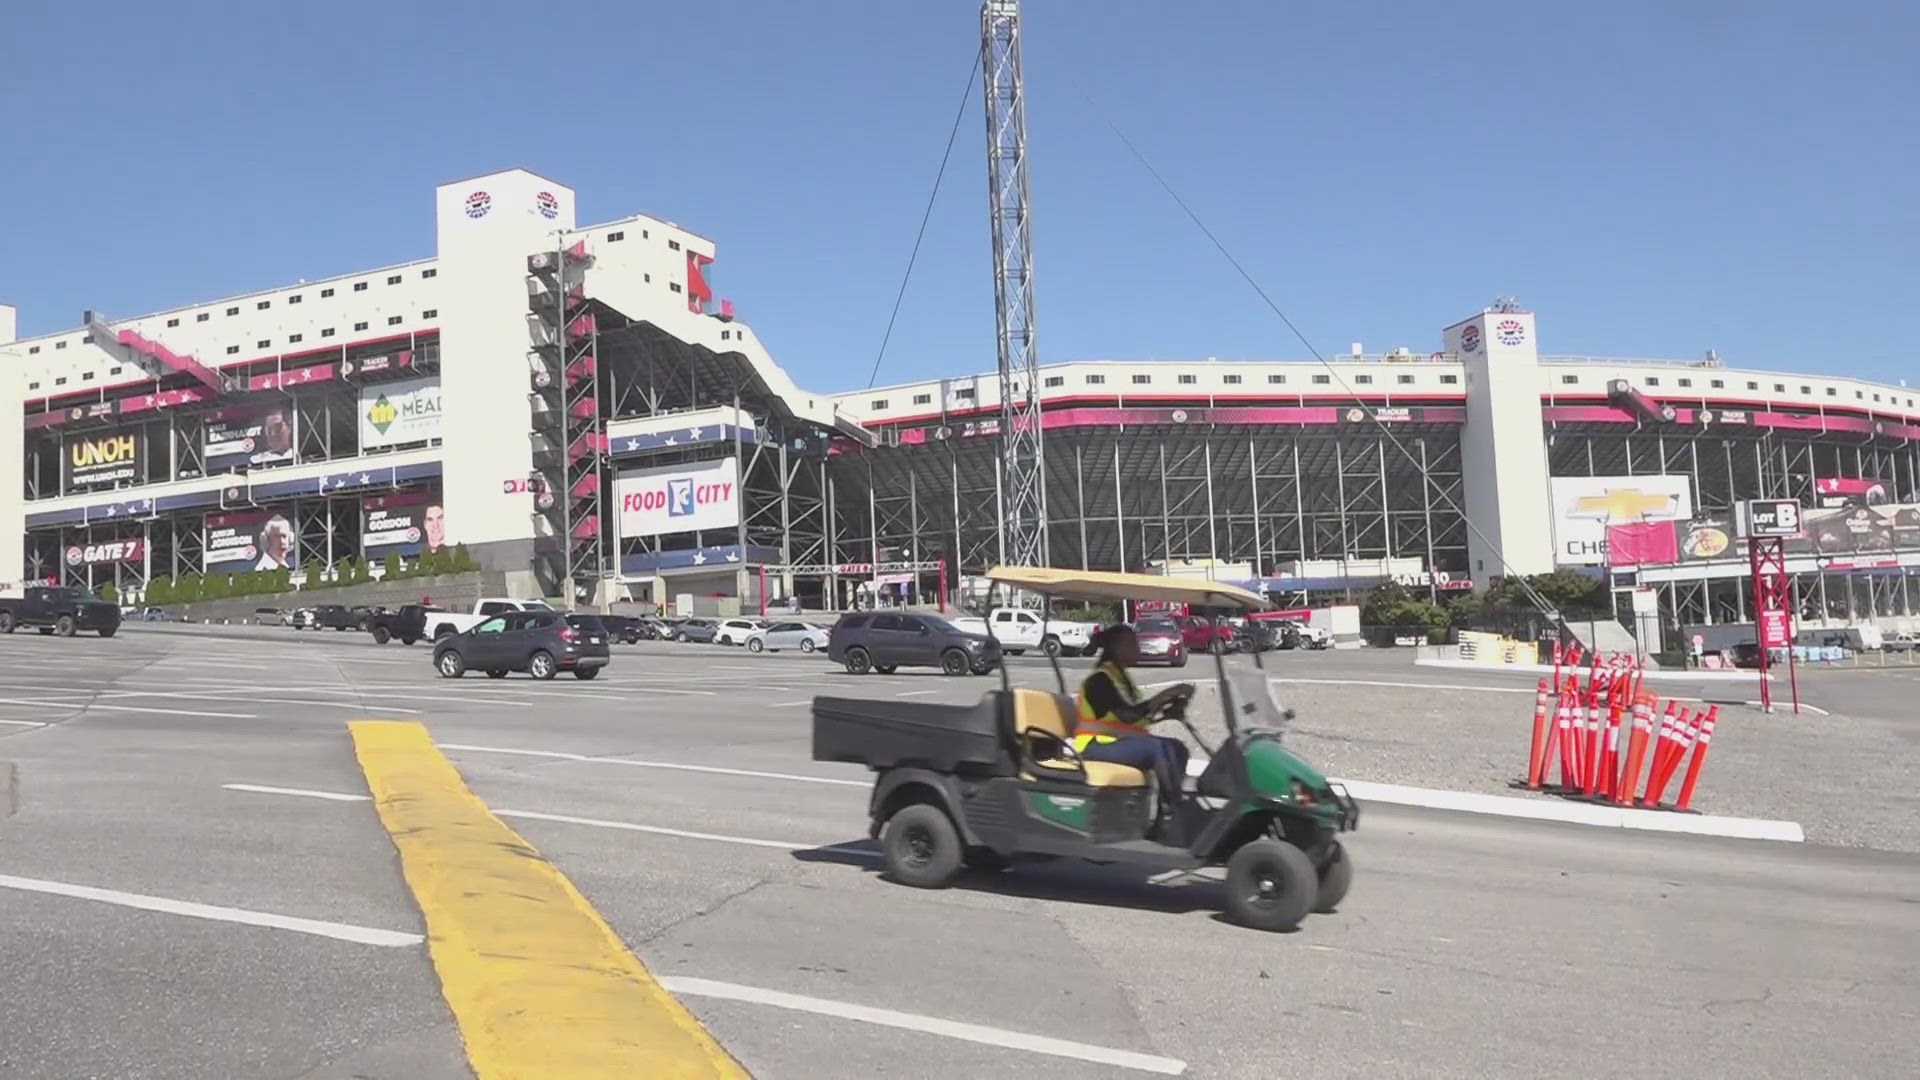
(577,407)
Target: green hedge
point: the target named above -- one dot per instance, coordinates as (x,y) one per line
(188,588)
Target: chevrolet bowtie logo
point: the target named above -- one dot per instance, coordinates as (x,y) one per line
(1620,506)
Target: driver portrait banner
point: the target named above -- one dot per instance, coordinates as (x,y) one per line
(405,524)
(242,438)
(250,540)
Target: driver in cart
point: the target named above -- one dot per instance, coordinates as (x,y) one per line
(1113,717)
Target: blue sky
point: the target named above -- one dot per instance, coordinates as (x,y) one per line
(1653,181)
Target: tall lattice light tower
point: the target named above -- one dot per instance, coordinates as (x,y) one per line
(1023,489)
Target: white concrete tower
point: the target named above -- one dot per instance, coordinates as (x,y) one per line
(13,436)
(1502,452)
(487,227)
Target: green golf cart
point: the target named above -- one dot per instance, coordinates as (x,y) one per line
(986,785)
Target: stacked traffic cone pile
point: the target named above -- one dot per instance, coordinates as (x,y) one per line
(1600,731)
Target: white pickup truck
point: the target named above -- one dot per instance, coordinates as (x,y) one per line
(441,624)
(1018,630)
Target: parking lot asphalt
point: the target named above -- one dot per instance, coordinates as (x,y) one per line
(166,768)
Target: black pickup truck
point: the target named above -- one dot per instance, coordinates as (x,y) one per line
(409,624)
(58,610)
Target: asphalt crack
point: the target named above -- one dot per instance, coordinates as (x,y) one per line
(701,913)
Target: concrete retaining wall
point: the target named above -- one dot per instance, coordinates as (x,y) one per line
(452,591)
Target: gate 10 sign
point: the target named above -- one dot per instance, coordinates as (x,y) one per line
(1764,518)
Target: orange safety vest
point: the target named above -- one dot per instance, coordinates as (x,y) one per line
(1089,727)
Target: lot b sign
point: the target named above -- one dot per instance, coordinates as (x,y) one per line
(1770,518)
(679,498)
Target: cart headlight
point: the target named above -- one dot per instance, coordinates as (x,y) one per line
(1302,794)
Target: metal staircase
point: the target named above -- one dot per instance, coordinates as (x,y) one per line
(569,440)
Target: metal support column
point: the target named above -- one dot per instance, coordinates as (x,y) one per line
(1080,500)
(1119,508)
(1213,547)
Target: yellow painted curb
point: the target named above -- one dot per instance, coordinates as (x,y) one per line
(539,983)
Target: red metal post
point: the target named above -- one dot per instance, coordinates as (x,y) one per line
(763,589)
(943,586)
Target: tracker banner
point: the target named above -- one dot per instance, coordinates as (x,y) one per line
(249,540)
(99,460)
(406,524)
(248,437)
(679,498)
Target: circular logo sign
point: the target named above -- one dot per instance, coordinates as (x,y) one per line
(478,204)
(1179,416)
(1470,339)
(549,206)
(1354,416)
(413,536)
(1510,331)
(250,552)
(1706,416)
(74,555)
(247,444)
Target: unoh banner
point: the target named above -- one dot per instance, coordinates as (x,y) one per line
(679,498)
(93,460)
(404,524)
(1584,507)
(250,540)
(397,413)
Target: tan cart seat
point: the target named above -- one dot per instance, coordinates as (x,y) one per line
(1055,715)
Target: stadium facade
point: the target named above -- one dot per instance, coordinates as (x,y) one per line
(577,407)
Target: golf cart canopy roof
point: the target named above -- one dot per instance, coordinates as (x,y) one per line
(1107,585)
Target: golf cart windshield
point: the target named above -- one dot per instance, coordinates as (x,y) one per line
(1254,703)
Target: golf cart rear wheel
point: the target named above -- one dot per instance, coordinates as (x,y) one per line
(921,847)
(1271,885)
(1335,878)
(955,662)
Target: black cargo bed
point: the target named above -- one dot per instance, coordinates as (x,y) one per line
(887,734)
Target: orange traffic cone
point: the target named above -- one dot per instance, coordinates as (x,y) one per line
(1699,760)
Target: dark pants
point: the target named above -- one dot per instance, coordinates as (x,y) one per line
(1165,758)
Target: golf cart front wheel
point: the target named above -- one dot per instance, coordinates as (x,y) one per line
(1335,878)
(921,847)
(1271,885)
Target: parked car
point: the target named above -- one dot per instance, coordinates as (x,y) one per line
(701,630)
(736,631)
(262,616)
(57,609)
(883,641)
(1295,634)
(541,643)
(1205,635)
(362,615)
(654,629)
(1162,641)
(788,635)
(622,628)
(301,618)
(454,622)
(409,624)
(333,617)
(1018,630)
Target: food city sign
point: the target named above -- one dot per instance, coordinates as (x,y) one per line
(111,551)
(679,498)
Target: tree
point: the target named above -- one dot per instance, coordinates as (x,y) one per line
(315,571)
(390,567)
(216,587)
(463,559)
(108,593)
(159,591)
(186,589)
(1566,588)
(282,580)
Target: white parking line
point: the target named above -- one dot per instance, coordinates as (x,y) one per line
(263,789)
(364,935)
(23,723)
(915,693)
(789,704)
(96,706)
(242,695)
(559,755)
(596,823)
(931,1025)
